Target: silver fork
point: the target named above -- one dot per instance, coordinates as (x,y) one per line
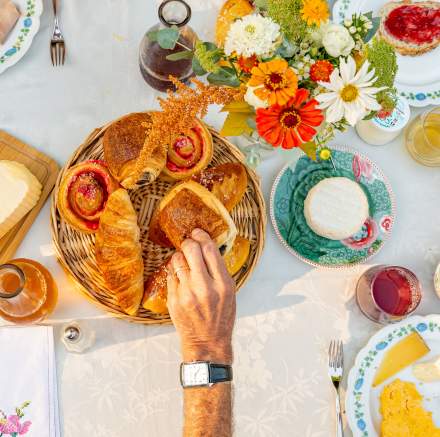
(335,371)
(57,45)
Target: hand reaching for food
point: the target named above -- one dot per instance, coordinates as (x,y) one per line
(201,300)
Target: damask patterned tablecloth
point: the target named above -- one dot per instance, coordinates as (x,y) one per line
(127,384)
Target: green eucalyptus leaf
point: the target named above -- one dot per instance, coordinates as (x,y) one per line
(168,37)
(376,23)
(225,76)
(185,54)
(152,35)
(369,15)
(197,68)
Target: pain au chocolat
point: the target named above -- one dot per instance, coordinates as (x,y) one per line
(123,142)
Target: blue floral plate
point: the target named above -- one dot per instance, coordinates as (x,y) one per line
(287,209)
(20,38)
(362,400)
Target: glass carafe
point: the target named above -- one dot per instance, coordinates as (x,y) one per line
(154,65)
(28,293)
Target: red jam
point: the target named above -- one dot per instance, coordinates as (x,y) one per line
(186,152)
(414,24)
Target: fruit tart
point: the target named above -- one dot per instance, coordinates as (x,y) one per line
(83,194)
(189,154)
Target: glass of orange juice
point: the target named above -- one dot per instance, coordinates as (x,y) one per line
(423,138)
(28,293)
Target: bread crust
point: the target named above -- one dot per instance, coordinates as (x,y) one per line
(402,47)
(118,251)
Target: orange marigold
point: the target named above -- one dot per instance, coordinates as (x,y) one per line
(246,64)
(276,82)
(321,71)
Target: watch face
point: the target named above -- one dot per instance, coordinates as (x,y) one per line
(195,374)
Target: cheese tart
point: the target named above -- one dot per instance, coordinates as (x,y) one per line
(83,194)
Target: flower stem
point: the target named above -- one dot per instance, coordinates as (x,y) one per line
(183,46)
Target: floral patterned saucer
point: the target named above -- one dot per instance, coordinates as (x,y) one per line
(20,38)
(287,209)
(362,400)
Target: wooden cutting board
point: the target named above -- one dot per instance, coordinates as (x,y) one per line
(46,171)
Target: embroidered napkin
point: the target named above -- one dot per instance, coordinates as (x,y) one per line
(8,18)
(28,388)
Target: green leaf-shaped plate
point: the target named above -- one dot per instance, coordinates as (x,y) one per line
(287,209)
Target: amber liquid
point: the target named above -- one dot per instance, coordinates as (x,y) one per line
(37,299)
(423,139)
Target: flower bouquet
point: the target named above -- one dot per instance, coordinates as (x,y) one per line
(302,76)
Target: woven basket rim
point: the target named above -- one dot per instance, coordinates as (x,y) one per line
(253,180)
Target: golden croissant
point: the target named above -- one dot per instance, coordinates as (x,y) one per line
(119,253)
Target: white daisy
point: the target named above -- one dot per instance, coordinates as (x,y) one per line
(351,95)
(253,35)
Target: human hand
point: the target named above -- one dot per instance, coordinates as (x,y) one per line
(201,300)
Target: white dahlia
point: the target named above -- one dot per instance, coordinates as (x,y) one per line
(252,35)
(350,94)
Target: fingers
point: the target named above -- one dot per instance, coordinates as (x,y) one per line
(211,254)
(194,257)
(181,270)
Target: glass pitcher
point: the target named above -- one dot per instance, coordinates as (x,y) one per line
(28,293)
(154,65)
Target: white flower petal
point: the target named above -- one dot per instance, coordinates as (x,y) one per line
(335,112)
(351,113)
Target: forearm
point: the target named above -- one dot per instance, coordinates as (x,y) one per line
(208,410)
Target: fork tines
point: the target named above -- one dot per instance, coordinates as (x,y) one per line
(57,52)
(336,354)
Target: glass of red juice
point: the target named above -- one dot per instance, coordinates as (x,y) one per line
(387,294)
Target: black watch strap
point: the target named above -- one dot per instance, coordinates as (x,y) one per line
(219,373)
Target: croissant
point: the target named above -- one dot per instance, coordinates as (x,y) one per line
(123,142)
(119,253)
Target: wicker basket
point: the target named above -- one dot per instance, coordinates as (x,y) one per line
(76,252)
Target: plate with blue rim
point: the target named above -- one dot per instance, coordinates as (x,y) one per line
(418,77)
(362,400)
(290,189)
(21,36)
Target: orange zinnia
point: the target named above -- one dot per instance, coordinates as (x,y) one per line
(276,82)
(292,124)
(246,64)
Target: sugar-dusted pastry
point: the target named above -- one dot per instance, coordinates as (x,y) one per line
(156,292)
(188,206)
(228,182)
(83,194)
(412,28)
(123,141)
(20,191)
(119,253)
(189,154)
(336,208)
(9,15)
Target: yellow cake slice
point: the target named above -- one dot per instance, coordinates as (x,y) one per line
(404,353)
(403,415)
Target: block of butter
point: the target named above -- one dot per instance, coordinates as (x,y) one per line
(20,191)
(428,372)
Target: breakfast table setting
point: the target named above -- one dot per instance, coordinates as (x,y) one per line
(330,223)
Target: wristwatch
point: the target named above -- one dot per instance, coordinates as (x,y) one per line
(204,374)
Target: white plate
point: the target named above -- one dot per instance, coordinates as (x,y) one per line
(362,401)
(21,36)
(418,78)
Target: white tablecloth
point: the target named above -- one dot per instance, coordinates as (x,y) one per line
(127,384)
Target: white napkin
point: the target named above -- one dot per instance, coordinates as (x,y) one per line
(28,387)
